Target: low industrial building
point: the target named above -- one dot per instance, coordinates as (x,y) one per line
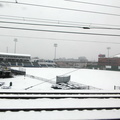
(109,63)
(81,62)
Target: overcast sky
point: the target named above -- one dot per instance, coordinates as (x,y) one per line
(41,44)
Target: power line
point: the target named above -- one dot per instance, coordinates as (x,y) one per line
(105,28)
(54,25)
(56,39)
(8,17)
(51,21)
(29,18)
(41,24)
(60,8)
(93,3)
(56,31)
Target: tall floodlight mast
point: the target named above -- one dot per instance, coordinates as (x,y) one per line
(55,45)
(15,40)
(7,49)
(108,48)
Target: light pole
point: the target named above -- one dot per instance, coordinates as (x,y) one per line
(15,40)
(55,45)
(108,48)
(7,49)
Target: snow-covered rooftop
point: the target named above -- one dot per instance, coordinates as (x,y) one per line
(14,54)
(117,55)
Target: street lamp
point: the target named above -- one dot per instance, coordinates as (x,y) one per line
(108,50)
(55,45)
(15,40)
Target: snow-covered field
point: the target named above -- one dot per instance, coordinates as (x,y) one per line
(105,80)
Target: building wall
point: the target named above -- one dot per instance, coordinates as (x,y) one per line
(109,63)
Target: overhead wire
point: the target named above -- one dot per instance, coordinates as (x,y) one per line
(58,31)
(60,25)
(8,17)
(91,3)
(58,39)
(60,8)
(53,25)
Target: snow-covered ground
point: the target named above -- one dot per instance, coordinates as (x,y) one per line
(62,115)
(105,80)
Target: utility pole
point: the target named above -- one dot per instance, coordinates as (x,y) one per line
(7,49)
(108,48)
(15,40)
(55,45)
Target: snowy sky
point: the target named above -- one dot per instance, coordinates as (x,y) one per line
(41,44)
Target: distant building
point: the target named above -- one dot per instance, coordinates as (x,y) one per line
(101,55)
(112,63)
(81,62)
